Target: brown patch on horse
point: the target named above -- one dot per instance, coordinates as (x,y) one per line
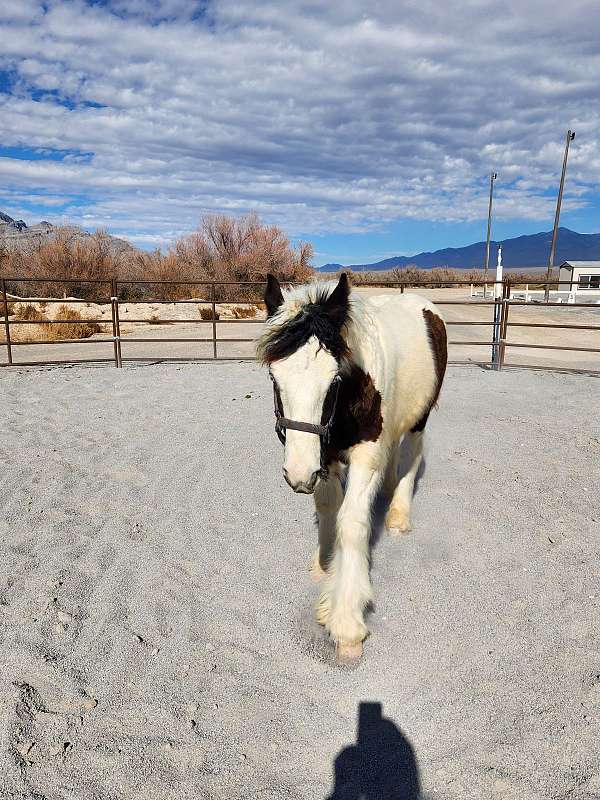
(357,416)
(438,341)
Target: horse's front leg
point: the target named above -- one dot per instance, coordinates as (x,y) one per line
(347,587)
(328,499)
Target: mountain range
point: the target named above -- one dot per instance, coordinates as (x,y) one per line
(522,251)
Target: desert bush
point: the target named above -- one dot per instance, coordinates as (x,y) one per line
(439,277)
(10,307)
(223,249)
(206,312)
(29,313)
(25,312)
(227,249)
(77,328)
(245,312)
(156,320)
(69,252)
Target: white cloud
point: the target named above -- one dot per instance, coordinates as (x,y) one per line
(322,117)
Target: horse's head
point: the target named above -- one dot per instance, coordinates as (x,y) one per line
(304,348)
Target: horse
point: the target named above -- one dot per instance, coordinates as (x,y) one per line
(353,378)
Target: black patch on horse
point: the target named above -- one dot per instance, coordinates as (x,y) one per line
(323,318)
(436,331)
(357,416)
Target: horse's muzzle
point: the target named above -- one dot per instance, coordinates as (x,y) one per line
(303,487)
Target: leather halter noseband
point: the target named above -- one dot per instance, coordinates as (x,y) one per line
(283,423)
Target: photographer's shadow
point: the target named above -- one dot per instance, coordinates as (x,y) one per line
(380,766)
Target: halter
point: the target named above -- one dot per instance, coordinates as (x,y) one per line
(283,423)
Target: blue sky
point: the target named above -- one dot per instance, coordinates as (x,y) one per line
(368,129)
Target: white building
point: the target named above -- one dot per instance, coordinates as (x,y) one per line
(581,277)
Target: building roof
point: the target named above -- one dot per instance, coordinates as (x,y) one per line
(593,265)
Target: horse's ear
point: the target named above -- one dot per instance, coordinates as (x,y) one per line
(336,305)
(273,295)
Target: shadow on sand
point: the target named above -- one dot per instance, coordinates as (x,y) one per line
(380,766)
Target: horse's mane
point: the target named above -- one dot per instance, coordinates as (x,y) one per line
(302,315)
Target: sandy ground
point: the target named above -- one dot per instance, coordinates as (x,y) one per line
(134,334)
(155,604)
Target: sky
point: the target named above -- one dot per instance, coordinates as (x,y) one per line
(367,128)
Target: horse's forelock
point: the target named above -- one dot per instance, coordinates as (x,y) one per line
(286,333)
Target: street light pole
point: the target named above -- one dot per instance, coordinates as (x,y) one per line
(569,139)
(493,177)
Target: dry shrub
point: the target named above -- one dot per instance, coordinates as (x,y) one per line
(156,320)
(72,253)
(245,312)
(77,328)
(10,307)
(25,312)
(223,249)
(29,313)
(226,249)
(439,277)
(206,312)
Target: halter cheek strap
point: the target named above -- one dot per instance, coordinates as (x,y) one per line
(283,423)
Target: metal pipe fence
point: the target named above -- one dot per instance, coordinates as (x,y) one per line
(498,343)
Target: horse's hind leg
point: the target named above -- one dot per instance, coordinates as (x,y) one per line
(398,517)
(328,499)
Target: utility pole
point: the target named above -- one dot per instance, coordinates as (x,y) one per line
(569,139)
(493,177)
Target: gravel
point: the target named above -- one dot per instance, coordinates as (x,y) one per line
(156,608)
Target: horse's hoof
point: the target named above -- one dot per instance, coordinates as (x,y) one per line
(347,653)
(317,573)
(323,609)
(397,522)
(399,531)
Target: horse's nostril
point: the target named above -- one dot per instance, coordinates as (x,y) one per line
(313,479)
(308,486)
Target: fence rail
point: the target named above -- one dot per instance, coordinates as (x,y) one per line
(500,303)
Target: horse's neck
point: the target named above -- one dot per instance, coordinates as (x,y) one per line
(362,336)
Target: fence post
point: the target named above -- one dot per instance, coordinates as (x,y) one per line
(506,289)
(114,300)
(114,322)
(497,326)
(214,321)
(6,323)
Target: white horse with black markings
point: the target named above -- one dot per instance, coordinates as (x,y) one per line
(353,377)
